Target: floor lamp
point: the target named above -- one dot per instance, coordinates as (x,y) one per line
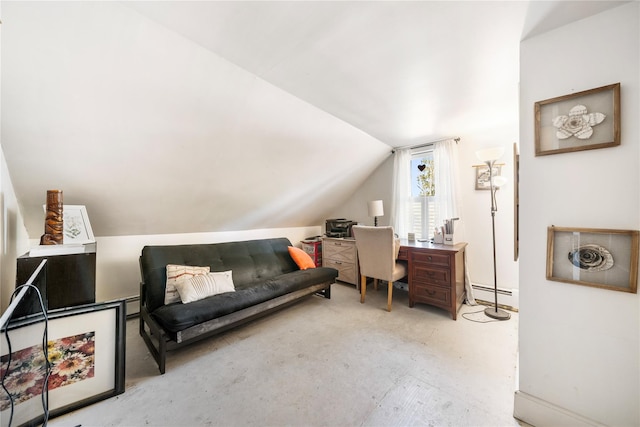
(489,157)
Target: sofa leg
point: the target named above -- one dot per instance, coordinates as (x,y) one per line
(158,353)
(327,292)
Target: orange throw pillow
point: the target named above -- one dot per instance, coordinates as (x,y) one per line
(301,258)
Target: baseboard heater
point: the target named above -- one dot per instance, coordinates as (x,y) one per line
(132,300)
(488,289)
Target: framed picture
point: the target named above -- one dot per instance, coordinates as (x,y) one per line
(516,202)
(86,350)
(600,258)
(580,121)
(482,175)
(77,228)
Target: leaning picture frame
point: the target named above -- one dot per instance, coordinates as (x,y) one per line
(601,258)
(583,120)
(86,350)
(76,226)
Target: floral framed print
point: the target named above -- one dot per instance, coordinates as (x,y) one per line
(580,121)
(86,354)
(601,258)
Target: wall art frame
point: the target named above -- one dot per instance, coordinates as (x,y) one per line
(584,120)
(482,175)
(601,258)
(516,202)
(86,347)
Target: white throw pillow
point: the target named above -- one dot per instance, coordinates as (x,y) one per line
(176,273)
(199,287)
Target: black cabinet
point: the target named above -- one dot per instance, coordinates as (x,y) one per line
(69,280)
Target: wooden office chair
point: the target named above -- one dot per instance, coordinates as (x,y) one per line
(377,253)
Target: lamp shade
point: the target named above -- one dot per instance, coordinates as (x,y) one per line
(376,208)
(499,181)
(490,154)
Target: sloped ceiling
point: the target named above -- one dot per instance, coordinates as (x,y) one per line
(178,117)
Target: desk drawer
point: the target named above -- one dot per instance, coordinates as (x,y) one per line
(403,254)
(431,258)
(437,276)
(434,295)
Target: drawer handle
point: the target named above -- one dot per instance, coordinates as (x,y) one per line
(430,258)
(338,244)
(431,273)
(338,262)
(430,292)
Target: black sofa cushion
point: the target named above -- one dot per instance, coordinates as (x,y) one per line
(251,262)
(177,316)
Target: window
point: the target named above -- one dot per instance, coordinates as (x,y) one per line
(422,204)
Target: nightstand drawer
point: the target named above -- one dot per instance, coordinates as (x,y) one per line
(436,276)
(433,295)
(431,258)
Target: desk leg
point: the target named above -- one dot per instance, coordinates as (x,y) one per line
(409,280)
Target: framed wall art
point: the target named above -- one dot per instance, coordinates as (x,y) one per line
(580,121)
(601,258)
(516,202)
(482,175)
(86,350)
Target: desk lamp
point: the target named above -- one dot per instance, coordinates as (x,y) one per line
(375,210)
(489,157)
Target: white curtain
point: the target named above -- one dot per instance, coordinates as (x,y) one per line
(445,170)
(448,200)
(400,211)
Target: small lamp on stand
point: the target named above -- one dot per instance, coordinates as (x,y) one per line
(489,157)
(375,210)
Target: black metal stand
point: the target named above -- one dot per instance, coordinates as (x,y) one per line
(494,312)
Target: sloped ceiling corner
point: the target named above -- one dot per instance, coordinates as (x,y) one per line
(155,134)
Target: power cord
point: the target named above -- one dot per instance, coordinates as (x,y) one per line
(44,395)
(488,320)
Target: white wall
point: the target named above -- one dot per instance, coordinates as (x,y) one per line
(13,234)
(579,346)
(475,225)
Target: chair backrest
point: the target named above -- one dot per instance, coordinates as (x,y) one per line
(376,251)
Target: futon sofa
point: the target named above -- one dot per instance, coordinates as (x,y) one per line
(264,277)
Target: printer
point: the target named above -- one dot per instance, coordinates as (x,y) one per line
(339,227)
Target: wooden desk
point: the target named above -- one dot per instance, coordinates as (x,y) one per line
(436,274)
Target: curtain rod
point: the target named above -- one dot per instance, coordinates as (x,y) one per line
(426,144)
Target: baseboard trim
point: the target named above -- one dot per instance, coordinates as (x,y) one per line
(540,413)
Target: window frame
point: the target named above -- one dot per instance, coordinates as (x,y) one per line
(423,227)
